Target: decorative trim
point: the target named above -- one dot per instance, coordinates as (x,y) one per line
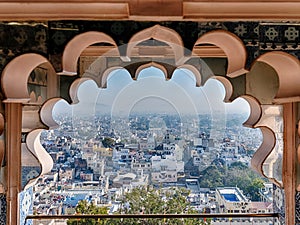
(150,10)
(52,10)
(2,209)
(297,200)
(26,206)
(241,10)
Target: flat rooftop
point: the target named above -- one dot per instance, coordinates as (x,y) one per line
(232,194)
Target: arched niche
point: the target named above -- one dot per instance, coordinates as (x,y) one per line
(76,46)
(15,85)
(262,82)
(135,68)
(287,68)
(162,34)
(151,64)
(232,46)
(19,70)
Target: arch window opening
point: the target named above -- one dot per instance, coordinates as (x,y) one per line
(153,136)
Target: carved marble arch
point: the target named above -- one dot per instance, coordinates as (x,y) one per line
(285,65)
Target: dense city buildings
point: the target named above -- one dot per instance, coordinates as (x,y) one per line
(93,162)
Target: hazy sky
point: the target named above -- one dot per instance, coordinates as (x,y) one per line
(152,93)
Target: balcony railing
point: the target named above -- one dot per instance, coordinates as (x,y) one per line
(224,218)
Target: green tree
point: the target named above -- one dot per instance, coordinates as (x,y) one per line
(253,189)
(108,142)
(84,207)
(148,200)
(247,180)
(143,200)
(212,177)
(237,174)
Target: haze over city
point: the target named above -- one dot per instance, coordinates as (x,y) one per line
(152,93)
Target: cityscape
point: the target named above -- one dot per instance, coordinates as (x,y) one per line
(173,141)
(101,159)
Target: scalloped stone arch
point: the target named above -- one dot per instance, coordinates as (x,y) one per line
(31,60)
(255,108)
(46,113)
(160,33)
(148,65)
(73,91)
(228,87)
(255,111)
(195,71)
(232,46)
(19,70)
(34,145)
(262,153)
(106,74)
(287,68)
(27,154)
(75,47)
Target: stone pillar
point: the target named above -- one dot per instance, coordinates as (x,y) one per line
(289,161)
(13,115)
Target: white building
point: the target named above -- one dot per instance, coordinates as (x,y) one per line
(165,170)
(232,200)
